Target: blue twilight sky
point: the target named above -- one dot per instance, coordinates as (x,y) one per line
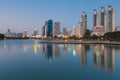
(18,15)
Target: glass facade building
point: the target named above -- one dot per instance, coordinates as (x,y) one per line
(47,30)
(50,28)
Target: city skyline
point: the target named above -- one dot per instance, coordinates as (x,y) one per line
(18,15)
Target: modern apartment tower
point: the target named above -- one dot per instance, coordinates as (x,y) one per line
(110,25)
(95,18)
(103,18)
(79,29)
(106,19)
(83,19)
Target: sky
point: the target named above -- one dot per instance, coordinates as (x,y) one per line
(18,15)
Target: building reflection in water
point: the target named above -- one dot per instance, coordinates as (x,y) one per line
(81,51)
(65,48)
(24,47)
(4,46)
(104,56)
(35,47)
(51,51)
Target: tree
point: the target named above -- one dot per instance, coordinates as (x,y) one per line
(87,34)
(94,37)
(2,36)
(112,36)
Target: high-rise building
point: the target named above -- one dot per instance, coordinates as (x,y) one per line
(56,29)
(35,33)
(43,31)
(110,25)
(83,19)
(103,18)
(73,31)
(118,28)
(80,29)
(8,34)
(64,31)
(47,30)
(77,30)
(95,18)
(50,28)
(107,19)
(24,33)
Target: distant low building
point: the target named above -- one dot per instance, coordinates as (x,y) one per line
(118,28)
(19,35)
(98,31)
(64,30)
(8,33)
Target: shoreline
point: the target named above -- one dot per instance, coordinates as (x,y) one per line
(72,41)
(78,42)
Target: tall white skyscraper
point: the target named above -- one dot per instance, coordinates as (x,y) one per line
(56,29)
(83,19)
(110,25)
(106,19)
(80,28)
(103,18)
(95,18)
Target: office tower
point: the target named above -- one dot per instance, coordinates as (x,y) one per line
(95,18)
(35,33)
(56,29)
(47,30)
(50,28)
(64,30)
(79,29)
(110,25)
(43,31)
(24,33)
(118,28)
(8,34)
(103,18)
(83,19)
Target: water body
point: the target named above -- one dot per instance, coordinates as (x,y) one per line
(30,60)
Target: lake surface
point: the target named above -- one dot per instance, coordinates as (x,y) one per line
(30,60)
